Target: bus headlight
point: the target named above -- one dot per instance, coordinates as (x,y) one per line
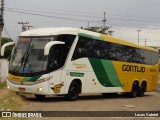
(42,80)
(8,86)
(39,89)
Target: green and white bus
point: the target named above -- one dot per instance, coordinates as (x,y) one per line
(71,61)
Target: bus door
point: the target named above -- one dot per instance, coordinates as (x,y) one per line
(56,60)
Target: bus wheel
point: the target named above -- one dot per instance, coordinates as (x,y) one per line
(73,92)
(134,91)
(40,97)
(142,90)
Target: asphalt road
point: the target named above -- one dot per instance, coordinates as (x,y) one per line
(94,102)
(158,87)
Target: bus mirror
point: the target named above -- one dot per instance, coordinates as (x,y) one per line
(49,45)
(4,46)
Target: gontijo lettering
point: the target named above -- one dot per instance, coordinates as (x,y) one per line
(133,68)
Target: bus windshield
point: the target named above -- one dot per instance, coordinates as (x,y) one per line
(28,55)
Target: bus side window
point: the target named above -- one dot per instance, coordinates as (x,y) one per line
(99,50)
(155,57)
(112,51)
(83,48)
(55,57)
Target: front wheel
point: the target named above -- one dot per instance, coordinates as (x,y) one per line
(73,92)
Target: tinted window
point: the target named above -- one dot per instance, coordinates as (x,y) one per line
(155,57)
(58,53)
(87,47)
(83,48)
(100,50)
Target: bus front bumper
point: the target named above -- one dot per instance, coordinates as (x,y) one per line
(41,88)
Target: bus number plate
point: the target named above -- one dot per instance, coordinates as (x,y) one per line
(21,89)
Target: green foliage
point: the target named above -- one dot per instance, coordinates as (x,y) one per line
(103,30)
(8,49)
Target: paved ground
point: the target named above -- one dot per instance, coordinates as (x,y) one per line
(97,102)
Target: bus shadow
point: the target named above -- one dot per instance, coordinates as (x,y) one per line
(81,98)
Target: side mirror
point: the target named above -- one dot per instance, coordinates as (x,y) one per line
(49,45)
(4,46)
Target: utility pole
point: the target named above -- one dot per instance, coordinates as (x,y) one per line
(25,26)
(138,36)
(88,24)
(1,20)
(28,27)
(145,41)
(104,20)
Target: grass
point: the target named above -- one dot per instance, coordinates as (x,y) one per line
(11,102)
(3,85)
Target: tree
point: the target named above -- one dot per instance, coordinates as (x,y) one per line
(8,49)
(103,30)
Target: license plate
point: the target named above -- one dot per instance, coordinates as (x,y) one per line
(21,89)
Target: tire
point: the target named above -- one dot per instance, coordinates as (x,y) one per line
(73,92)
(40,97)
(142,90)
(135,89)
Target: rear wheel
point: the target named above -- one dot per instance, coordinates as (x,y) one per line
(73,92)
(134,91)
(142,90)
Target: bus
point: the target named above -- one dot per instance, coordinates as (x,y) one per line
(72,61)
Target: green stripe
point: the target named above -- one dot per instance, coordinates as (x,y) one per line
(100,72)
(32,78)
(85,35)
(111,73)
(105,72)
(90,36)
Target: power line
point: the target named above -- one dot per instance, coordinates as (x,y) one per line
(17,9)
(113,19)
(69,11)
(110,18)
(133,17)
(132,26)
(41,15)
(57,13)
(7,32)
(80,20)
(135,20)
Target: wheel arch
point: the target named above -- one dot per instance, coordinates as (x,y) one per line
(79,82)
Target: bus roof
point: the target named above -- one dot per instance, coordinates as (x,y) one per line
(50,31)
(76,31)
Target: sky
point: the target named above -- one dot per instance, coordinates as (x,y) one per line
(124,17)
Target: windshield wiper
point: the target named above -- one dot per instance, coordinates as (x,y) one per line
(21,62)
